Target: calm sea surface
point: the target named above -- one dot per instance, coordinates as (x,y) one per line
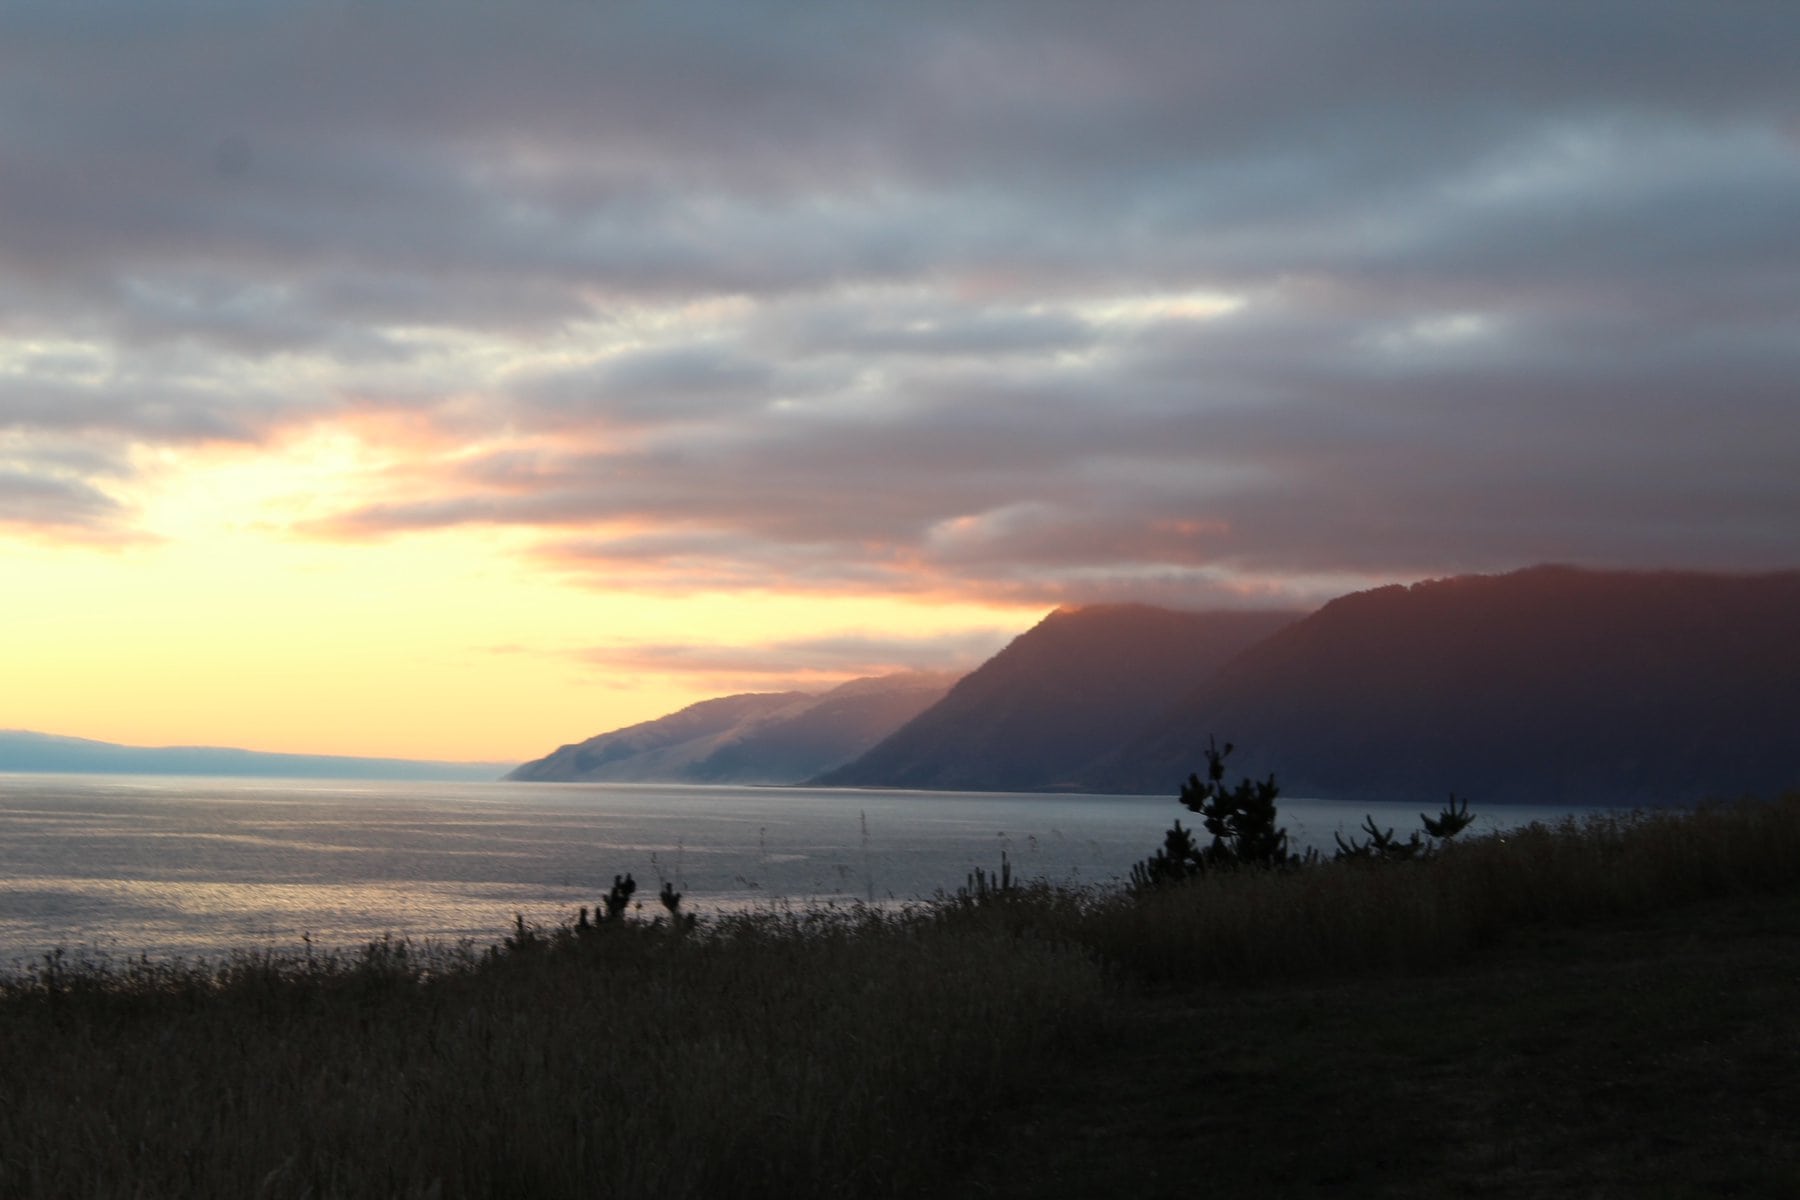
(159,865)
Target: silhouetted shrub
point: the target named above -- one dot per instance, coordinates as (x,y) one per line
(619,897)
(1383,846)
(1180,858)
(524,939)
(1241,820)
(671,900)
(1451,821)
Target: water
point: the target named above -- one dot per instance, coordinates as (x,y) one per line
(165,866)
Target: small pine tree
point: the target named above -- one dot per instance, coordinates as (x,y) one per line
(1383,846)
(1179,859)
(1241,820)
(1450,822)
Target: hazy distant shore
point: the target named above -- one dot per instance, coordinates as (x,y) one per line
(27,753)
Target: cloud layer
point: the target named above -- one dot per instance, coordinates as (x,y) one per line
(1036,302)
(804,664)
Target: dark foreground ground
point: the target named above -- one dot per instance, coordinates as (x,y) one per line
(1608,1008)
(1652,1057)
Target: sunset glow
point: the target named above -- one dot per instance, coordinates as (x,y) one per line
(563,367)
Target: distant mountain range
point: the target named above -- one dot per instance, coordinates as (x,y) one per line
(26,752)
(758,737)
(1551,685)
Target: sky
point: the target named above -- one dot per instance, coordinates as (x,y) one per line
(456,380)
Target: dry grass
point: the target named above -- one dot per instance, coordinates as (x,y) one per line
(1594,1009)
(822,1053)
(1338,918)
(816,1055)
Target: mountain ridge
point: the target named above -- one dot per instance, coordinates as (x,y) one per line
(1081,680)
(751,737)
(1554,684)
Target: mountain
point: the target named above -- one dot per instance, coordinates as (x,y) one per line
(44,753)
(1079,684)
(1550,685)
(638,752)
(757,737)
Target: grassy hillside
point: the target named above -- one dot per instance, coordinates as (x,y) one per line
(1629,1056)
(1591,1009)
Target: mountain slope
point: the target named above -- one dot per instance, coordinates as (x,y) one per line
(1549,685)
(774,737)
(606,755)
(804,739)
(1080,683)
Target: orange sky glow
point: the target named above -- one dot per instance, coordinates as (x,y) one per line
(224,620)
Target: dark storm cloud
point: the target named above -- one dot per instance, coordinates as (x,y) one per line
(1044,301)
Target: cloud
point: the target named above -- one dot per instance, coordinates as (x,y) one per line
(1037,302)
(807,664)
(654,386)
(38,501)
(74,412)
